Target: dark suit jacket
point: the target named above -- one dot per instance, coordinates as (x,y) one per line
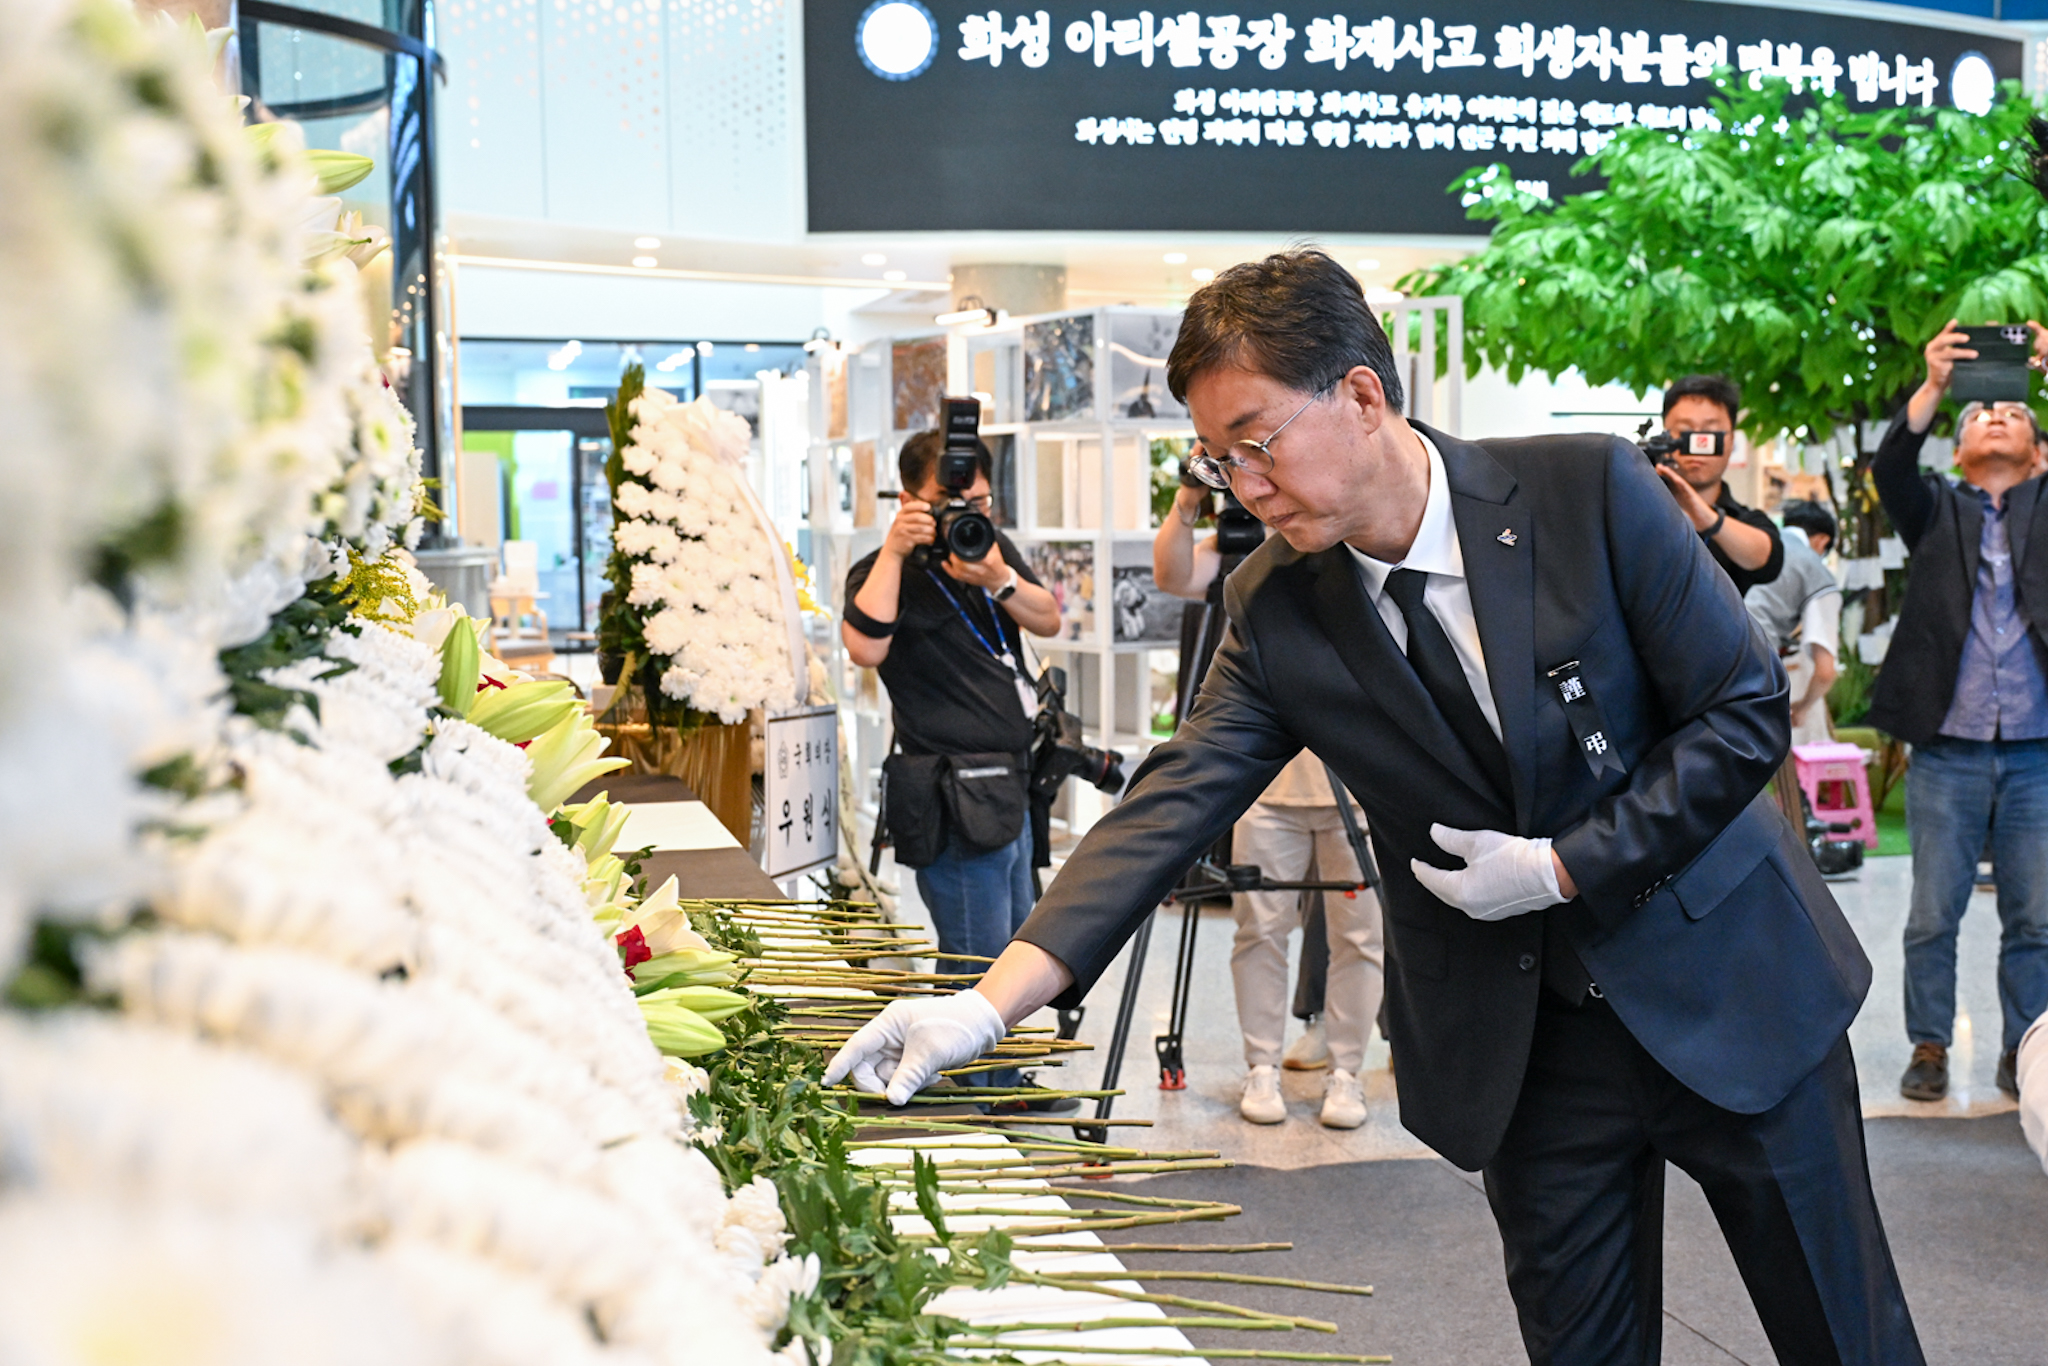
(1700,915)
(1943,526)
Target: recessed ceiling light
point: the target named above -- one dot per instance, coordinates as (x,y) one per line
(1368,263)
(753,346)
(647,243)
(1203,274)
(645,262)
(1176,258)
(705,348)
(874,258)
(895,276)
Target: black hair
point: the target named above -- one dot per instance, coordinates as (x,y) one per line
(1812,518)
(1297,317)
(920,455)
(1715,388)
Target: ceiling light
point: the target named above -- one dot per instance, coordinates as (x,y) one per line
(895,276)
(647,243)
(1202,274)
(645,262)
(753,346)
(1368,263)
(564,357)
(705,348)
(874,258)
(1176,258)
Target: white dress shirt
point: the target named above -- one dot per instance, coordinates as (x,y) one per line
(1435,552)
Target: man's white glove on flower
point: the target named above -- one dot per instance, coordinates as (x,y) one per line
(900,1051)
(1503,876)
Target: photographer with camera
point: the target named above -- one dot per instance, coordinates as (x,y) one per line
(944,632)
(1293,826)
(1699,436)
(1965,683)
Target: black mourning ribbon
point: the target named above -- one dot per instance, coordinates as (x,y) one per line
(1435,662)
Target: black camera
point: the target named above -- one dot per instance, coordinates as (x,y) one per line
(964,531)
(1660,447)
(1057,750)
(1238,533)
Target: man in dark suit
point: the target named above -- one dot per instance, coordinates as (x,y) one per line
(1522,655)
(1965,682)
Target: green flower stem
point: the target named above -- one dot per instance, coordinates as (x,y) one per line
(1121,1248)
(1092,1325)
(1173,1301)
(1227,1277)
(1192,1354)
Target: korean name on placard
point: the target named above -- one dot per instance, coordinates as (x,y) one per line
(1560,51)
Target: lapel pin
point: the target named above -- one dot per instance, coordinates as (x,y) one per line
(1507,537)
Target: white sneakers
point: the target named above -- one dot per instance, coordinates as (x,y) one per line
(1343,1098)
(1343,1101)
(1261,1102)
(1310,1052)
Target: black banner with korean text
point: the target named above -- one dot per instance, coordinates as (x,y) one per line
(925,116)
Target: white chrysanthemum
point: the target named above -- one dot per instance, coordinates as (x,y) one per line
(632,498)
(92,1282)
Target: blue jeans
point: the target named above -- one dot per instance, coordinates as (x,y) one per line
(977,902)
(1957,793)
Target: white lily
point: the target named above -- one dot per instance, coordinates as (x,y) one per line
(565,757)
(663,923)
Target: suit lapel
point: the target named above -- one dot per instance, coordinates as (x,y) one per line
(1353,627)
(2021,504)
(1969,531)
(1496,539)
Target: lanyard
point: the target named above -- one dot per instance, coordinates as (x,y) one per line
(1002,654)
(1027,695)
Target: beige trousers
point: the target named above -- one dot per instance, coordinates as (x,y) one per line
(1285,841)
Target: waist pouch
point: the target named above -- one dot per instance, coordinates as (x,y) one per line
(912,808)
(985,799)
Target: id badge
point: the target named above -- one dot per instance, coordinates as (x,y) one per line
(1027,696)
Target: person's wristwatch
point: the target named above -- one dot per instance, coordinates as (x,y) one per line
(1720,520)
(1003,594)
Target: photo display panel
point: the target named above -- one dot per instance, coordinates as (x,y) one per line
(929,116)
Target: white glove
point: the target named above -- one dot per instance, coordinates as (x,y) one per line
(914,1040)
(1503,876)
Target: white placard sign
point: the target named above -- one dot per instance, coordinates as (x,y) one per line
(800,790)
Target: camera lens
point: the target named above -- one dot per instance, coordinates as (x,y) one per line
(970,535)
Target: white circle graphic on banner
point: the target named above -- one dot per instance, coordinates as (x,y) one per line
(897,39)
(1972,83)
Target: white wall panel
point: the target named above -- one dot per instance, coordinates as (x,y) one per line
(729,80)
(606,116)
(490,123)
(524,303)
(637,115)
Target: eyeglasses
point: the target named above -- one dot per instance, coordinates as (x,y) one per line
(1254,456)
(2014,412)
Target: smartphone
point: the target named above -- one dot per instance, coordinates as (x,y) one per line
(1999,373)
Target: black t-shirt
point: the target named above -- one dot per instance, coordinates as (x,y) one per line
(950,695)
(1746,579)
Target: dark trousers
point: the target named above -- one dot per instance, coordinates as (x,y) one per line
(1578,1192)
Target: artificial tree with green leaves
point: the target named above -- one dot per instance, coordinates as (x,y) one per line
(1806,250)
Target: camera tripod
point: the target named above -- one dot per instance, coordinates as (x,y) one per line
(1212,878)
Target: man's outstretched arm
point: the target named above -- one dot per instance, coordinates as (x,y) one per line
(1188,791)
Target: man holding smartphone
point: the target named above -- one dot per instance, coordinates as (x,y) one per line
(1965,682)
(1741,539)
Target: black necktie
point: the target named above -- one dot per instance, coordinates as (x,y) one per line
(1436,663)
